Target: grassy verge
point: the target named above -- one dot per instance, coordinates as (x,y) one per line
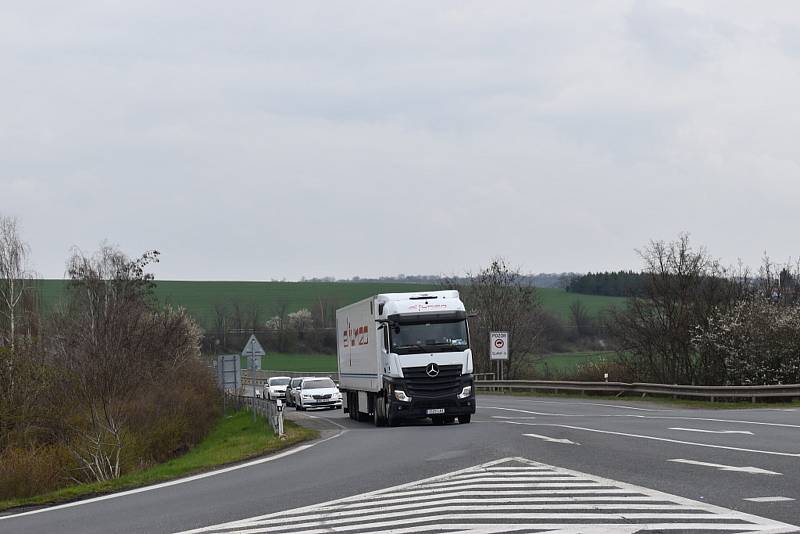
(235,438)
(683,403)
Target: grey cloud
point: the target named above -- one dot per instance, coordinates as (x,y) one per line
(257,140)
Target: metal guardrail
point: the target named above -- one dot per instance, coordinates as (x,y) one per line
(261,376)
(621,388)
(486,381)
(272,410)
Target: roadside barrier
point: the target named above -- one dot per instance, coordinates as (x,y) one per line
(261,376)
(712,393)
(272,410)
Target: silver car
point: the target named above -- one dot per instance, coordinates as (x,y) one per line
(275,388)
(291,391)
(317,393)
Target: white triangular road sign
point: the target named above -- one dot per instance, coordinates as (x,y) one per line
(253,347)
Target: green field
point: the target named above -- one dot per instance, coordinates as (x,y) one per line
(298,363)
(200,298)
(567,362)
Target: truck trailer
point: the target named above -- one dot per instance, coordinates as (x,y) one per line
(406,356)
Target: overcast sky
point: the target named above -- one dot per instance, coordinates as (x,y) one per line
(260,140)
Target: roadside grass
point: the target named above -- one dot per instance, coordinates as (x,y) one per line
(234,439)
(683,403)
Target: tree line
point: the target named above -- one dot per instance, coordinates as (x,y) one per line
(611,284)
(107,383)
(697,321)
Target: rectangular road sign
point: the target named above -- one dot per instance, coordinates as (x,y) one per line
(498,345)
(229,372)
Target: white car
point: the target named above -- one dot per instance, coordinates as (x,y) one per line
(318,393)
(275,388)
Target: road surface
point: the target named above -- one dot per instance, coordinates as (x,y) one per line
(524,464)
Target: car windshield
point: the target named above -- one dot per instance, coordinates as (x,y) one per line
(279,381)
(429,337)
(296,382)
(318,384)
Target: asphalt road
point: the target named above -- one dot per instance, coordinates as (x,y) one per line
(552,462)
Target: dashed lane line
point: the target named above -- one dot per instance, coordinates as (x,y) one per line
(656,438)
(704,431)
(638,416)
(721,467)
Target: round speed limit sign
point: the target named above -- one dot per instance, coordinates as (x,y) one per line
(498,345)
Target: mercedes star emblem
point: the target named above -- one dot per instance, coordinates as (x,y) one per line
(432,370)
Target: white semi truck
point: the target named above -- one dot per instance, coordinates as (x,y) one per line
(405,356)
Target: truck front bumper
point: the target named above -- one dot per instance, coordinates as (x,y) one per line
(421,408)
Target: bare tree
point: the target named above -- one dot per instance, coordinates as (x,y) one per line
(15,278)
(684,288)
(101,336)
(581,320)
(505,302)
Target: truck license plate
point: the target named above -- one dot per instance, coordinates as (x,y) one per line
(435,411)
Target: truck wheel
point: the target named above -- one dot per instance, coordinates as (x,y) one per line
(464,419)
(380,411)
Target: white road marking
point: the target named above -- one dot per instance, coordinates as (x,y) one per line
(438,505)
(721,467)
(201,476)
(551,440)
(656,438)
(747,432)
(638,416)
(769,499)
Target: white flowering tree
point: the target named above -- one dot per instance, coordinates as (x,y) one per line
(758,341)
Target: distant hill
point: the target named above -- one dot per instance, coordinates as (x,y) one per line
(200,298)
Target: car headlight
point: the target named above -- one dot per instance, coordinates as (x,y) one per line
(307,396)
(400,395)
(466,392)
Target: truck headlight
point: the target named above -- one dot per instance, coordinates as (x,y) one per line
(400,395)
(466,392)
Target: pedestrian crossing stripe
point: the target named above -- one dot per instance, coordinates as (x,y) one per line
(507,495)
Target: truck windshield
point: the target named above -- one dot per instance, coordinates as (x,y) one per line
(429,337)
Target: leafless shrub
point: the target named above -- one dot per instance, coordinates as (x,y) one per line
(684,288)
(503,301)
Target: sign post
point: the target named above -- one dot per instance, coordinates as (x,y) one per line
(255,348)
(498,350)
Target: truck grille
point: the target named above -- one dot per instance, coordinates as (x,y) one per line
(421,386)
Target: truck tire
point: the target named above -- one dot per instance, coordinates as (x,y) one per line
(379,410)
(464,419)
(352,409)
